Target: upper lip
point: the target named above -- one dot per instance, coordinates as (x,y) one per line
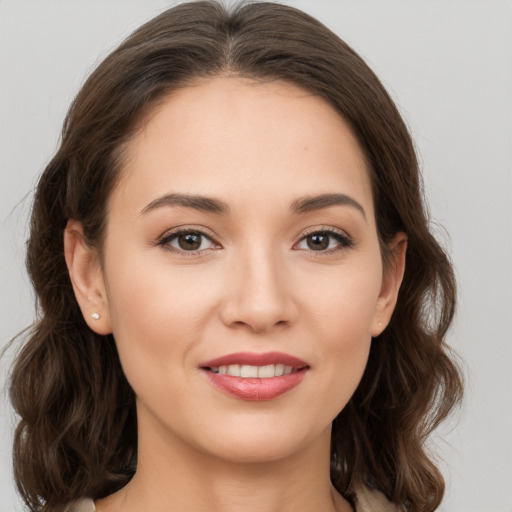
(255,359)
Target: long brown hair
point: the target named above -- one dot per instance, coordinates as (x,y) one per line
(77,431)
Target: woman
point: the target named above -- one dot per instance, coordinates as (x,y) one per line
(241,303)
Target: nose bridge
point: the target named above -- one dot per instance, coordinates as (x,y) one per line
(259,293)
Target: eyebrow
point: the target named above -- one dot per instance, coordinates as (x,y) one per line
(212,205)
(202,203)
(308,204)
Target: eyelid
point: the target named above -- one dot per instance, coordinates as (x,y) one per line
(345,241)
(164,239)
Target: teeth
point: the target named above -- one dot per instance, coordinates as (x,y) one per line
(266,371)
(248,371)
(232,369)
(245,370)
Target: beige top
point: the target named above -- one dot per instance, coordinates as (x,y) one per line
(367,501)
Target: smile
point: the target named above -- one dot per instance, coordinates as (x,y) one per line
(255,377)
(261,372)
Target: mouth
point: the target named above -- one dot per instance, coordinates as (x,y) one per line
(251,376)
(248,371)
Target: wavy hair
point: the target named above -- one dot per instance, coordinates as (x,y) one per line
(77,433)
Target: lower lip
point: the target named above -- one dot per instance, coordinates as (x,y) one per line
(249,388)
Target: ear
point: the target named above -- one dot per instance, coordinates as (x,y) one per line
(86,276)
(392,276)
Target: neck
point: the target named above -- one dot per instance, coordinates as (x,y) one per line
(174,476)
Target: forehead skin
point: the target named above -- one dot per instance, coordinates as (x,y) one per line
(251,128)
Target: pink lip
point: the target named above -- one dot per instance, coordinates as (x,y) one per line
(255,359)
(255,388)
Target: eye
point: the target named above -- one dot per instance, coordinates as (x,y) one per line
(187,241)
(324,241)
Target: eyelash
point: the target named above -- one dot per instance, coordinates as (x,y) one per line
(343,240)
(167,238)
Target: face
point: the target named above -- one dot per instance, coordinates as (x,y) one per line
(241,238)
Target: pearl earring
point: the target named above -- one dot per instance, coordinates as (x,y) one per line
(96,316)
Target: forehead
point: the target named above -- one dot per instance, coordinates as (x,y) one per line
(236,139)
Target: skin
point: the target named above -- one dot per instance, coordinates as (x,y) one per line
(255,285)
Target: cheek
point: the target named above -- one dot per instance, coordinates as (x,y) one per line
(157,313)
(344,301)
(342,315)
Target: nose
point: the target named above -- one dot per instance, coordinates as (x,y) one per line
(258,294)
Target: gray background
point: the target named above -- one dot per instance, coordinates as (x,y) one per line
(447,63)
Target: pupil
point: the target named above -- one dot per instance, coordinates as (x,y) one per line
(318,241)
(190,241)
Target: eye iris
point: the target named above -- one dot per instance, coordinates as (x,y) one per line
(318,241)
(189,241)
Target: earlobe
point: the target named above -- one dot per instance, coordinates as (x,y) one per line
(86,276)
(393,274)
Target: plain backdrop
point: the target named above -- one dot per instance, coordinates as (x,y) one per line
(448,65)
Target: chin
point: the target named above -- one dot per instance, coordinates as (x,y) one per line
(244,452)
(260,443)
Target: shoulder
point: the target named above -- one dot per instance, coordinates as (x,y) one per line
(370,500)
(84,505)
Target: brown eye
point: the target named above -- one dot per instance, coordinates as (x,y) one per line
(325,241)
(318,241)
(190,241)
(187,241)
